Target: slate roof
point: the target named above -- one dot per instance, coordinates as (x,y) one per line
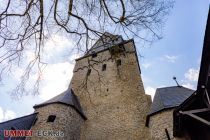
(105,41)
(68,98)
(169,97)
(22,123)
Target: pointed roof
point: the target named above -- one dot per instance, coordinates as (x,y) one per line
(68,98)
(105,41)
(169,97)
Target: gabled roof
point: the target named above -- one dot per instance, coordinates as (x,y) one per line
(169,97)
(68,98)
(22,123)
(105,41)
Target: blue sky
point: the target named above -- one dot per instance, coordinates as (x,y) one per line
(177,54)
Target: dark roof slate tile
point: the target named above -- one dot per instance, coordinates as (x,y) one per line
(22,123)
(169,97)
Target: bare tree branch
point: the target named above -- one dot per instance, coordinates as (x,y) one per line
(28,24)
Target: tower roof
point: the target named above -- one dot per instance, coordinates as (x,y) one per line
(68,98)
(105,41)
(169,97)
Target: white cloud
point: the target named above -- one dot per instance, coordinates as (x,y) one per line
(56,78)
(146,65)
(192,74)
(150,91)
(191,77)
(170,58)
(188,85)
(57,45)
(6,115)
(58,72)
(1,114)
(30,55)
(57,75)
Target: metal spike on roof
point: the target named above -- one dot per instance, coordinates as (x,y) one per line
(169,97)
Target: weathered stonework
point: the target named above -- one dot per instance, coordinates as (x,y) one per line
(161,121)
(107,81)
(67,121)
(113,100)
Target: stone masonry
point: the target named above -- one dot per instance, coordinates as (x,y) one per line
(67,120)
(113,100)
(161,121)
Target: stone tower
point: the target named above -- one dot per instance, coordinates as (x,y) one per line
(61,114)
(107,81)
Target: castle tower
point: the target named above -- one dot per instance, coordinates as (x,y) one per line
(62,115)
(107,81)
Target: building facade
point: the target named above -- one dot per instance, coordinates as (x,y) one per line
(107,80)
(106,100)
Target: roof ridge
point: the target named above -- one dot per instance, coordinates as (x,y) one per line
(188,88)
(174,87)
(61,95)
(169,87)
(19,118)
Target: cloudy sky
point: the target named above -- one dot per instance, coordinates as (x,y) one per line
(177,54)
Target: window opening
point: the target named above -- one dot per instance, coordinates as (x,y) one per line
(94,54)
(104,67)
(119,62)
(88,72)
(51,118)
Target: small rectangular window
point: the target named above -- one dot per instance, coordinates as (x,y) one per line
(104,67)
(118,62)
(88,72)
(94,54)
(51,118)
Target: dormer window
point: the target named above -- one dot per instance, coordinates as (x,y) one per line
(51,118)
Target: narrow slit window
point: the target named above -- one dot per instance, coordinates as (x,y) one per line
(51,118)
(119,62)
(88,72)
(104,67)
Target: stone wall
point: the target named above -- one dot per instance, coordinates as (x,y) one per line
(67,121)
(113,100)
(161,121)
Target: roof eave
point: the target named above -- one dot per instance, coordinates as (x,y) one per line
(42,105)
